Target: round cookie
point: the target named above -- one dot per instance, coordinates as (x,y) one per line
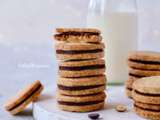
(82,68)
(147,106)
(81,103)
(88,30)
(78,51)
(144,56)
(96,39)
(82,86)
(148,114)
(147,90)
(128,86)
(23,98)
(143,73)
(143,65)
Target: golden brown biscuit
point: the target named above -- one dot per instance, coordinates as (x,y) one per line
(82,68)
(84,81)
(24,97)
(81,103)
(143,65)
(82,85)
(147,113)
(143,73)
(95,39)
(144,56)
(147,90)
(128,86)
(70,30)
(81,90)
(74,51)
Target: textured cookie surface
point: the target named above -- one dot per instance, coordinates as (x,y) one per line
(147,113)
(23,98)
(145,56)
(81,103)
(147,90)
(128,86)
(143,73)
(72,51)
(84,81)
(89,30)
(78,35)
(82,68)
(143,65)
(87,38)
(148,85)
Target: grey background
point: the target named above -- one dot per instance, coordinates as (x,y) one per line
(26,46)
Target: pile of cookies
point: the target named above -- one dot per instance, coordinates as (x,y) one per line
(81,82)
(146,96)
(142,64)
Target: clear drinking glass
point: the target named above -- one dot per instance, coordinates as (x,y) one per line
(117,19)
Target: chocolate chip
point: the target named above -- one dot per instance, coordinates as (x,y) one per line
(93,116)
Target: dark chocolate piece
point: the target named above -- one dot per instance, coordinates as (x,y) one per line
(94,116)
(78,87)
(78,68)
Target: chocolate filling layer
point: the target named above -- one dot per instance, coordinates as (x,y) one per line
(80,103)
(145,62)
(152,110)
(138,76)
(84,95)
(78,51)
(76,34)
(78,87)
(27,97)
(86,76)
(78,68)
(129,89)
(147,94)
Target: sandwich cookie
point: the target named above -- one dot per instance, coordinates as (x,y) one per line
(74,51)
(144,60)
(85,68)
(128,85)
(24,97)
(78,35)
(81,86)
(84,103)
(146,96)
(78,30)
(143,73)
(148,111)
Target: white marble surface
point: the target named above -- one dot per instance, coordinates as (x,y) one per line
(46,107)
(26,51)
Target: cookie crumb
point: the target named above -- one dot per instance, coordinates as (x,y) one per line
(121,108)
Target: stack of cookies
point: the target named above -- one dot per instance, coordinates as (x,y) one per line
(142,64)
(81,82)
(146,96)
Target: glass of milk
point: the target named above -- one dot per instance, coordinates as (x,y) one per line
(117,19)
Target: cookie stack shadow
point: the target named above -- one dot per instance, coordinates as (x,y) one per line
(81,81)
(141,64)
